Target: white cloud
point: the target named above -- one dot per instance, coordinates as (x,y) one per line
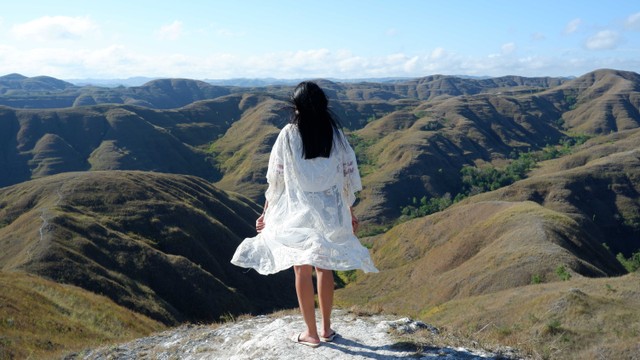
(508,48)
(392,32)
(438,53)
(633,22)
(48,28)
(171,31)
(603,40)
(118,61)
(572,26)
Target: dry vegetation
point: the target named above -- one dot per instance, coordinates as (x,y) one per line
(525,265)
(43,319)
(531,265)
(158,244)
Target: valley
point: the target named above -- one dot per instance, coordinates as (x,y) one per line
(136,197)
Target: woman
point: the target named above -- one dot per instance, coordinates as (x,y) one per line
(307,220)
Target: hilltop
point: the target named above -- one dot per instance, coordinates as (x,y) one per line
(362,336)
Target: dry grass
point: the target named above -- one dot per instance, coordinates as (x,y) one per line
(471,250)
(156,243)
(40,319)
(578,319)
(470,269)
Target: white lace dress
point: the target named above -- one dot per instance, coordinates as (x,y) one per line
(307,220)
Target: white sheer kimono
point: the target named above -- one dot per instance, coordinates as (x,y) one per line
(307,220)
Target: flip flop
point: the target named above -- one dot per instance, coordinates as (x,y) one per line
(296,339)
(330,337)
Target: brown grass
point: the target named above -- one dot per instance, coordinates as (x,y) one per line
(40,319)
(577,319)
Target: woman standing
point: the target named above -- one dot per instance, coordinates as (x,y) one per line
(307,220)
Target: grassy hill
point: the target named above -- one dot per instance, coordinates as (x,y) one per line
(41,319)
(157,244)
(531,264)
(38,143)
(581,318)
(413,137)
(420,150)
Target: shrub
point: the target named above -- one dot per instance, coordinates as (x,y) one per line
(562,273)
(632,263)
(536,279)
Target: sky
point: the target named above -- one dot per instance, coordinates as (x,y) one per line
(338,39)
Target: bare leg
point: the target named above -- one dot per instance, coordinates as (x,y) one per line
(325,298)
(304,289)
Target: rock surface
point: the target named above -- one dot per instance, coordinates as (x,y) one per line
(270,337)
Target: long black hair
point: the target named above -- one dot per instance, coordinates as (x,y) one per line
(316,123)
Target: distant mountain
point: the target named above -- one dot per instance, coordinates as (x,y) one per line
(12,82)
(600,102)
(128,82)
(105,137)
(158,244)
(44,92)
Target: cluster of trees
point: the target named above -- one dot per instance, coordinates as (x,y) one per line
(478,180)
(632,263)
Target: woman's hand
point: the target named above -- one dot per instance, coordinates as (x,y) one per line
(354,221)
(260,223)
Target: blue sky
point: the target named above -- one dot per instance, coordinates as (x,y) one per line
(76,39)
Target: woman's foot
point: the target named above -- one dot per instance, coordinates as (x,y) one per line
(328,336)
(306,339)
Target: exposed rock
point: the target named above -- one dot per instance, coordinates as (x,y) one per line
(269,337)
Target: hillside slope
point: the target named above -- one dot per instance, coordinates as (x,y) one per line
(491,251)
(419,151)
(158,244)
(39,143)
(42,319)
(410,142)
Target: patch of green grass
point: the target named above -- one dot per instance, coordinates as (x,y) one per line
(536,279)
(562,273)
(554,326)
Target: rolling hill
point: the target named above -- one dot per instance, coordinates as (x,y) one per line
(411,143)
(43,92)
(158,244)
(419,151)
(141,195)
(567,220)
